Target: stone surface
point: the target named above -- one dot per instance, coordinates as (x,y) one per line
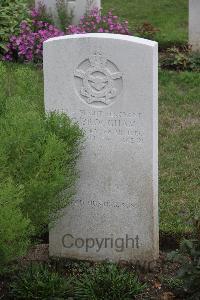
(108,84)
(194,24)
(77,7)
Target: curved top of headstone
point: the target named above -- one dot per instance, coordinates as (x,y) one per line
(126,38)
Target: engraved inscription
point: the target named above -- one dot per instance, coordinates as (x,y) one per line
(127,127)
(106,204)
(98,80)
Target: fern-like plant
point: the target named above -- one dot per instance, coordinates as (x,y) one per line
(37,281)
(108,282)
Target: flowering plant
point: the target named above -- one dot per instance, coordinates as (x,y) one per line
(95,22)
(28,45)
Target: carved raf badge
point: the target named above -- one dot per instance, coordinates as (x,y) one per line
(100,81)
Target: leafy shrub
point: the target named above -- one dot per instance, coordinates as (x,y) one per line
(107,281)
(14,227)
(189,257)
(12,13)
(39,282)
(180,59)
(38,153)
(94,21)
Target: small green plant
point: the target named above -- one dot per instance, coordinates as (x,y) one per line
(175,59)
(180,59)
(195,61)
(64,16)
(147,31)
(107,281)
(189,258)
(173,282)
(37,281)
(41,14)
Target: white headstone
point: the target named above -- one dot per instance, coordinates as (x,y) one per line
(108,84)
(78,8)
(194,24)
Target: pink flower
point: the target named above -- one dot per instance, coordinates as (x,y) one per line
(28,46)
(94,21)
(34,13)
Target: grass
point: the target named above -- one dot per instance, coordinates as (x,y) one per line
(179,149)
(179,137)
(170,16)
(24,81)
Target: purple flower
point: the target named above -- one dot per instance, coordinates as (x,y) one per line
(94,21)
(28,46)
(34,13)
